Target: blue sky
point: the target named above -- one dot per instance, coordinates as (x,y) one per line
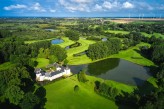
(82,8)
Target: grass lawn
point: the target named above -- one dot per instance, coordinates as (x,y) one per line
(6,66)
(70,52)
(42,62)
(33,41)
(61,95)
(117,31)
(130,54)
(66,42)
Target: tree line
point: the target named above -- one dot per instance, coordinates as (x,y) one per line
(103,49)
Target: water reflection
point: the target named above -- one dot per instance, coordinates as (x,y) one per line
(116,69)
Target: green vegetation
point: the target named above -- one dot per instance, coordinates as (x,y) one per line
(6,66)
(66,42)
(72,35)
(24,42)
(133,55)
(130,54)
(82,76)
(42,62)
(117,31)
(33,41)
(84,46)
(104,49)
(57,96)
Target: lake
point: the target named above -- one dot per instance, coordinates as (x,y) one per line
(116,69)
(57,41)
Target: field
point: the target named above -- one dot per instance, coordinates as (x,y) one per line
(33,41)
(132,55)
(117,31)
(143,33)
(42,62)
(70,52)
(136,20)
(61,95)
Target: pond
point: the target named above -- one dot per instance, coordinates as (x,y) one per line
(57,41)
(116,69)
(49,30)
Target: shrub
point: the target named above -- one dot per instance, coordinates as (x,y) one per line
(82,76)
(76,88)
(76,44)
(79,54)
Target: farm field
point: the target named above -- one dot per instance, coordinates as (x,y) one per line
(157,35)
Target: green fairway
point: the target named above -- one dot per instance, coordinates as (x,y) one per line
(83,47)
(70,52)
(117,31)
(130,54)
(66,42)
(61,95)
(42,62)
(6,66)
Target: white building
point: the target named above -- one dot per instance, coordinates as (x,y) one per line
(60,71)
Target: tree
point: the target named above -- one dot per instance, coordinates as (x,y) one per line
(82,76)
(53,59)
(29,101)
(76,88)
(103,49)
(58,52)
(12,84)
(72,35)
(41,94)
(14,94)
(41,53)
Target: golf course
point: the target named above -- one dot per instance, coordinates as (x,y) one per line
(61,94)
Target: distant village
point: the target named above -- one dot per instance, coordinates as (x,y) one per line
(55,71)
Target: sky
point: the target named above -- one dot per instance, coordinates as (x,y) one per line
(82,8)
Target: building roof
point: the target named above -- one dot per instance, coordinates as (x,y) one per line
(47,74)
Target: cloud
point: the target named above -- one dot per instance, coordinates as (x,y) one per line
(17,6)
(98,8)
(144,6)
(82,1)
(107,5)
(161,7)
(37,7)
(52,10)
(128,5)
(72,7)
